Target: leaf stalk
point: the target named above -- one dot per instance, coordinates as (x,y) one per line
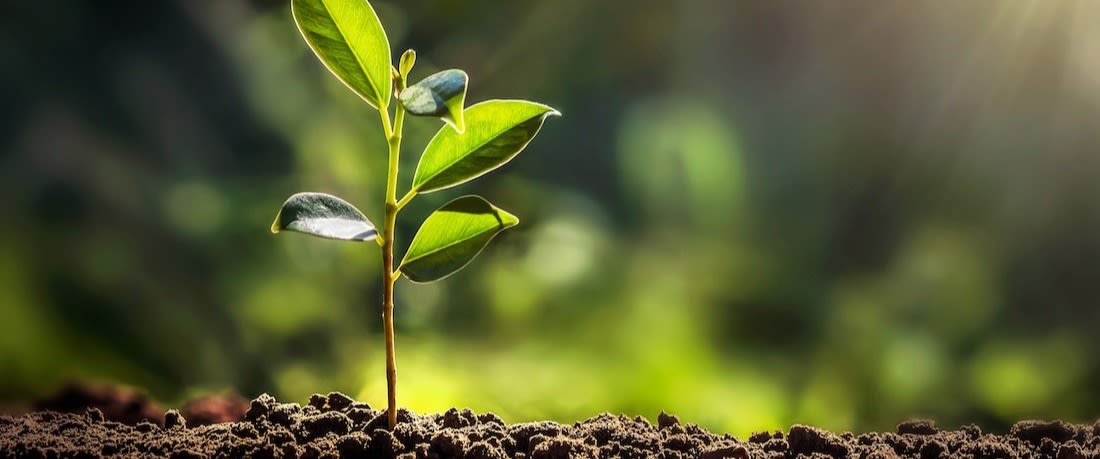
(405,199)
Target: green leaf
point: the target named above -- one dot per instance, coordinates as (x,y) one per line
(498,131)
(443,94)
(323,215)
(452,236)
(348,38)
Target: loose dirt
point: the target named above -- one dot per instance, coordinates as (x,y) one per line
(129,406)
(335,426)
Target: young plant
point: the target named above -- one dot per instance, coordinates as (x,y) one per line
(349,40)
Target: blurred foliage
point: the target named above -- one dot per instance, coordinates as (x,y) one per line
(752,213)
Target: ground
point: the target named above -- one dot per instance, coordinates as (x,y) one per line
(335,426)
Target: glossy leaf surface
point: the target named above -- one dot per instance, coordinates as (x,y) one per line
(442,94)
(496,131)
(323,215)
(452,236)
(348,38)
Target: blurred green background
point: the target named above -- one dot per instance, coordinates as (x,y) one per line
(751,214)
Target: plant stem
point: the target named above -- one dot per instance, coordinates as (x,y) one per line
(389,275)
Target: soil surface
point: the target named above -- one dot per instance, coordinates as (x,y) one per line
(129,406)
(335,426)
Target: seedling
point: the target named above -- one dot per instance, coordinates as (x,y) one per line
(350,41)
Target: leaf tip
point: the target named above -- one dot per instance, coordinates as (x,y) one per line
(507,219)
(275,224)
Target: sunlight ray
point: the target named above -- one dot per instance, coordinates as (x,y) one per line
(949,97)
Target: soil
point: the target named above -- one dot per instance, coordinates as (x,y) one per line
(129,406)
(335,426)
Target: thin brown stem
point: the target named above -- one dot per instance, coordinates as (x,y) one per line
(387,320)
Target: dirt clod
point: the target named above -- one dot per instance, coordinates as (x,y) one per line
(760,437)
(174,420)
(335,426)
(917,427)
(319,425)
(667,420)
(725,451)
(338,401)
(94,414)
(385,443)
(285,413)
(1036,431)
(562,447)
(808,440)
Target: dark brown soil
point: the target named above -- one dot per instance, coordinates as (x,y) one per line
(117,403)
(335,426)
(129,406)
